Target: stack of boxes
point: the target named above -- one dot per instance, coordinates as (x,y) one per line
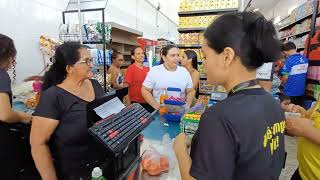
(191,38)
(196,21)
(196,5)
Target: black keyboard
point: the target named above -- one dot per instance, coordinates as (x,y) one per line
(118,130)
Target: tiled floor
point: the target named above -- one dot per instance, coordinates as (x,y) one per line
(291,163)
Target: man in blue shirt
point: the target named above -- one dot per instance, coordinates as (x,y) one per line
(294,73)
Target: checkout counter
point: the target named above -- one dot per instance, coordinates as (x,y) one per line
(153,135)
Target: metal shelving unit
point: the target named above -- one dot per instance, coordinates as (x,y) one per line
(82,6)
(189,46)
(295,22)
(297,34)
(206,12)
(197,46)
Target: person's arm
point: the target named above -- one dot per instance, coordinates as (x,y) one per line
(146,90)
(41,131)
(128,77)
(190,96)
(195,80)
(114,75)
(147,95)
(190,91)
(284,79)
(184,160)
(286,71)
(313,134)
(208,159)
(10,116)
(303,127)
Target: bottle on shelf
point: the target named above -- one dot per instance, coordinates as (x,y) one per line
(97,174)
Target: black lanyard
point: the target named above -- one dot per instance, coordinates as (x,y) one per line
(243,86)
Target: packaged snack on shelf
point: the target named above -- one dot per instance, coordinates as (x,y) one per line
(190,121)
(201,70)
(205,87)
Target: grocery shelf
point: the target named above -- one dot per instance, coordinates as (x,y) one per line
(300,47)
(116,26)
(205,93)
(314,63)
(311,97)
(126,42)
(203,77)
(191,29)
(205,12)
(92,42)
(293,23)
(297,34)
(189,46)
(312,81)
(126,64)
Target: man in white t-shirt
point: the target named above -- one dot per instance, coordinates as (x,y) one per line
(168,74)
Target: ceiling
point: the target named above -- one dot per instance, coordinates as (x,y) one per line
(263,5)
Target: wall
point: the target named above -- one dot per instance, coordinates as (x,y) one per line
(25,20)
(282,8)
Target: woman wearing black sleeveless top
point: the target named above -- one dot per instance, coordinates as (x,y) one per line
(13,149)
(241,137)
(60,120)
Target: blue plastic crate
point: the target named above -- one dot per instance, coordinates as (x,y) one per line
(172,117)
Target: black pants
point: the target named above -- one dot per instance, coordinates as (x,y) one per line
(297,100)
(146,106)
(296,175)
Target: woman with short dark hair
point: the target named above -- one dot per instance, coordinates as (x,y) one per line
(241,137)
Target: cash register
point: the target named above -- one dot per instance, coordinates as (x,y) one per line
(115,138)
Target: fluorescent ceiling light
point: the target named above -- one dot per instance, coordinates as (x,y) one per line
(256,9)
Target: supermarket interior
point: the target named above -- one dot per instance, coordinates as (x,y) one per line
(160,90)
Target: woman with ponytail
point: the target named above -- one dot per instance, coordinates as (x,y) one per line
(241,137)
(60,117)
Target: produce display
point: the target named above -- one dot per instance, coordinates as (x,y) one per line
(195,5)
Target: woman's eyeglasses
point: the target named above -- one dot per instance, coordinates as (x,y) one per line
(88,61)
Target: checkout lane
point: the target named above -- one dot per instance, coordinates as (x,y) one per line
(153,136)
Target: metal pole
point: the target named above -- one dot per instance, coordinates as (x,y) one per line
(104,52)
(63,18)
(313,25)
(80,22)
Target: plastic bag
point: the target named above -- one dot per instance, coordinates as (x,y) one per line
(154,162)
